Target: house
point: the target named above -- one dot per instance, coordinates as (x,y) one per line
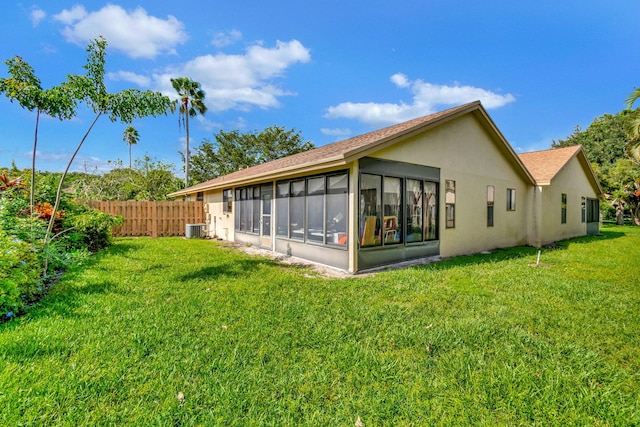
(441,185)
(566,189)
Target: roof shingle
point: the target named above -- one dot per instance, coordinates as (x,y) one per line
(335,152)
(544,165)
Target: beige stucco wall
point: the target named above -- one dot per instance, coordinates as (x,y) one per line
(219,223)
(572,181)
(465,152)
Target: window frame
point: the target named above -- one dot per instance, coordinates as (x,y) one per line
(227,201)
(491,198)
(511,199)
(450,203)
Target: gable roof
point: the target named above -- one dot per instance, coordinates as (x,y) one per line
(343,152)
(546,164)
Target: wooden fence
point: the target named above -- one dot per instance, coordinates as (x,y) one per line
(155,219)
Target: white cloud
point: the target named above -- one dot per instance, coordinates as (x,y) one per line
(128,76)
(427,99)
(400,80)
(69,16)
(37,15)
(134,33)
(336,131)
(239,81)
(222,39)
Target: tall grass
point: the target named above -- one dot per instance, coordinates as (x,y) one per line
(187,332)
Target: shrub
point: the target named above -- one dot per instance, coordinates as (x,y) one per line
(27,264)
(20,274)
(91,229)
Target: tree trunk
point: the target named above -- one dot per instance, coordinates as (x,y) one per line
(619,214)
(186,154)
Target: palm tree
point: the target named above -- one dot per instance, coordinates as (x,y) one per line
(633,126)
(191,103)
(131,137)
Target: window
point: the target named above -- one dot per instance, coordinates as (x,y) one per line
(511,199)
(450,203)
(370,201)
(227,201)
(337,202)
(282,209)
(491,190)
(430,210)
(266,194)
(314,209)
(563,209)
(199,196)
(584,209)
(296,210)
(247,216)
(255,210)
(392,209)
(413,197)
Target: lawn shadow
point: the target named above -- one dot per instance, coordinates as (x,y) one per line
(236,268)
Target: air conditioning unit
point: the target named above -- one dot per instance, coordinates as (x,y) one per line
(194,231)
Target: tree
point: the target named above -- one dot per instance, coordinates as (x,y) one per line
(624,182)
(24,87)
(233,151)
(122,106)
(131,137)
(603,141)
(633,126)
(191,103)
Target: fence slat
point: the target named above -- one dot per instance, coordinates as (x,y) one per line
(152,218)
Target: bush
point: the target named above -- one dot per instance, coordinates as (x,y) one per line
(27,263)
(20,275)
(90,229)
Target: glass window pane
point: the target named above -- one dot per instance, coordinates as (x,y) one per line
(282,209)
(255,209)
(431,210)
(337,184)
(315,209)
(315,185)
(451,216)
(370,215)
(413,197)
(511,199)
(490,201)
(337,205)
(337,219)
(392,219)
(296,210)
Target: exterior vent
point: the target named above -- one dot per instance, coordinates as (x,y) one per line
(194,231)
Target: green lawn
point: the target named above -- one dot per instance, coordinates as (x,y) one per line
(188,332)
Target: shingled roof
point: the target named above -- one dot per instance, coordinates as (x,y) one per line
(343,152)
(546,164)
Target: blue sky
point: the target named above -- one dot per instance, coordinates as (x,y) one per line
(330,69)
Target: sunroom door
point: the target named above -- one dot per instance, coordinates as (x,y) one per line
(266,196)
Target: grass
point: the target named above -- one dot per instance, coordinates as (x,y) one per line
(188,332)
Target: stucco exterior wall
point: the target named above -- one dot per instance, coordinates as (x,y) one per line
(466,153)
(572,181)
(219,223)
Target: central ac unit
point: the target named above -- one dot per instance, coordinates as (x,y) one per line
(194,231)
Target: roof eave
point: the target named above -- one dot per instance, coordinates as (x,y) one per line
(332,162)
